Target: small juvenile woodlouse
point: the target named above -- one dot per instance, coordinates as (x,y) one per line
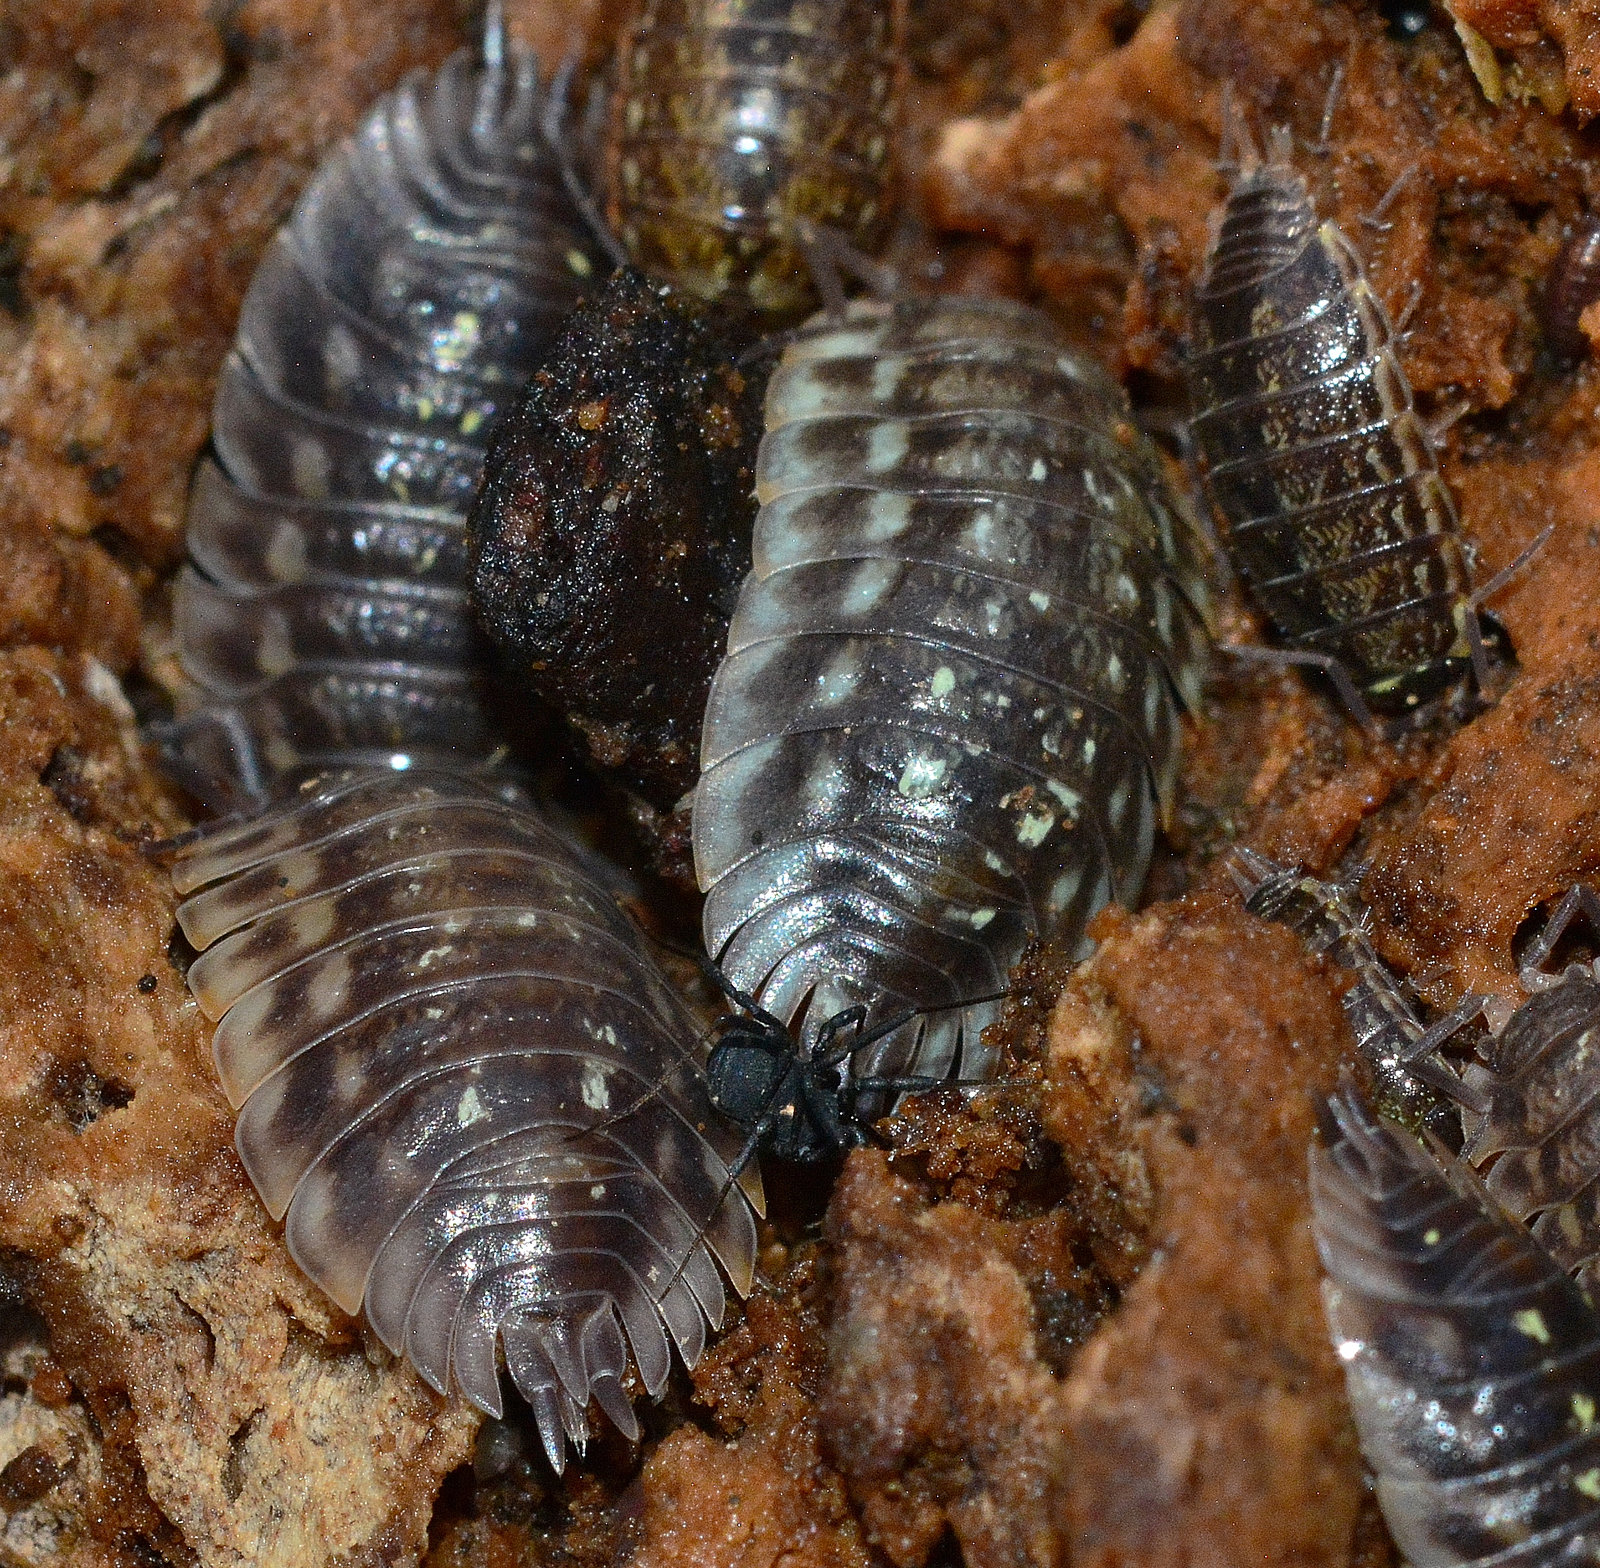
(732,120)
(324,619)
(1529,1103)
(1337,517)
(1573,286)
(949,711)
(1470,1358)
(466,1083)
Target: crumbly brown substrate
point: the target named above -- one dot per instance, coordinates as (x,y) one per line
(1071,1322)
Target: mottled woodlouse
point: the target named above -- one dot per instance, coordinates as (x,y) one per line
(1530,1100)
(422,272)
(949,713)
(1314,455)
(735,122)
(1470,1357)
(463,1079)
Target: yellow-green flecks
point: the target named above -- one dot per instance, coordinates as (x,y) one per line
(1430,1238)
(921,776)
(1588,1483)
(1531,1322)
(1583,1412)
(981,918)
(943,682)
(471,420)
(453,345)
(1040,601)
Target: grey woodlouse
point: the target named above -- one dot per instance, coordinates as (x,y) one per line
(1470,1358)
(734,120)
(324,618)
(467,1085)
(1529,1103)
(949,711)
(1337,517)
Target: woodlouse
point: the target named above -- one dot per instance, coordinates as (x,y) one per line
(466,1083)
(1314,456)
(324,618)
(1529,1103)
(1573,286)
(1470,1358)
(734,120)
(949,711)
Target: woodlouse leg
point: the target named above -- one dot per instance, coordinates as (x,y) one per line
(555,126)
(1580,897)
(1375,219)
(1402,322)
(832,259)
(1479,596)
(1443,1030)
(1325,662)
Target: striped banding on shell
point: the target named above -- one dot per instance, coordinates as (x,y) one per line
(467,1089)
(948,718)
(1471,1359)
(324,617)
(1337,517)
(732,119)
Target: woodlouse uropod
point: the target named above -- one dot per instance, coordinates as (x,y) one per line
(324,618)
(463,1079)
(1472,1361)
(1314,456)
(949,711)
(734,121)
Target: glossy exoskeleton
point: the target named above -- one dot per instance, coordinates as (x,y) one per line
(1471,1359)
(1337,517)
(948,718)
(324,618)
(467,1088)
(734,123)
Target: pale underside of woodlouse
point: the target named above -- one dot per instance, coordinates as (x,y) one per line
(324,619)
(1314,456)
(1529,1103)
(1471,1359)
(733,120)
(949,712)
(468,1089)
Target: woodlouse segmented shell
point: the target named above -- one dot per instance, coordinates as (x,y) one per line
(325,617)
(1470,1357)
(1336,515)
(733,118)
(950,703)
(467,1088)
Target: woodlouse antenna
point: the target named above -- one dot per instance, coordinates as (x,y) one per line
(555,124)
(1375,219)
(1324,663)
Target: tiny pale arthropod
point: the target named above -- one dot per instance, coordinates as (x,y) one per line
(948,718)
(466,1087)
(324,619)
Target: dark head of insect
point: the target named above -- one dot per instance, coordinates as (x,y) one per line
(797,1105)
